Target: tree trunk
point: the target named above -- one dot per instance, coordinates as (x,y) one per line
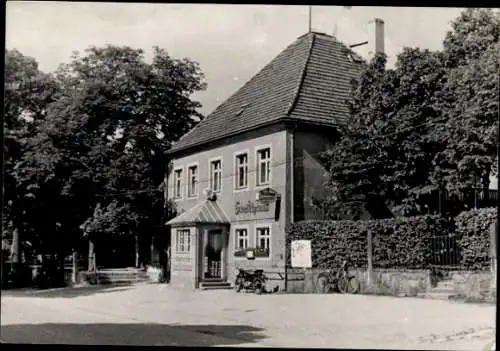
(74,270)
(92,267)
(137,251)
(14,252)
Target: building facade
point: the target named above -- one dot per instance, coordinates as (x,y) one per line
(252,167)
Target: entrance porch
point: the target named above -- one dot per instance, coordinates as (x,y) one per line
(199,246)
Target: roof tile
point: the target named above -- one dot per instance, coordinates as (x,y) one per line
(308,81)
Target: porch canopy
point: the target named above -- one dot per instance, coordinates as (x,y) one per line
(206,212)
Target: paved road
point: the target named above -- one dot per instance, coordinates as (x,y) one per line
(161,315)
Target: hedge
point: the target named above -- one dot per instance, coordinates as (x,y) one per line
(473,228)
(331,242)
(397,243)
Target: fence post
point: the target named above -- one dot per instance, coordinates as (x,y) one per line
(493,255)
(370,257)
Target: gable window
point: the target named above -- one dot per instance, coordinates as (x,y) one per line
(241,238)
(178,183)
(216,175)
(183,241)
(263,240)
(241,171)
(193,181)
(264,166)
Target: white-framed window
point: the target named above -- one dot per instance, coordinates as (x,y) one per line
(193,181)
(216,175)
(183,241)
(264,166)
(241,238)
(241,171)
(178,183)
(263,239)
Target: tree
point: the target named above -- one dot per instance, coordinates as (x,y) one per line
(102,144)
(430,124)
(469,101)
(357,160)
(28,93)
(411,141)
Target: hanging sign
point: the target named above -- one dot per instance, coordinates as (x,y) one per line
(301,253)
(266,194)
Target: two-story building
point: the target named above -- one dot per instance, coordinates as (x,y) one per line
(258,154)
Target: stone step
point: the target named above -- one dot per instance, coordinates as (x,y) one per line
(215,285)
(450,291)
(437,295)
(445,285)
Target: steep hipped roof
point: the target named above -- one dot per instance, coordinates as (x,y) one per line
(308,81)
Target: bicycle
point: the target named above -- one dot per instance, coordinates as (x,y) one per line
(338,280)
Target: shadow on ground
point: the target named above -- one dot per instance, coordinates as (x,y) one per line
(69,292)
(131,334)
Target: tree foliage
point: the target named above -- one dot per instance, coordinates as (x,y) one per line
(28,93)
(469,101)
(97,160)
(430,123)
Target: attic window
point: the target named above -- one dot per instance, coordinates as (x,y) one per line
(242,109)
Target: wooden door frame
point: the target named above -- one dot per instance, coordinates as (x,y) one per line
(204,231)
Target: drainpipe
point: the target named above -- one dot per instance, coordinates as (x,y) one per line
(291,200)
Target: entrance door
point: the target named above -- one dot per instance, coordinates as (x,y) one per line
(213,255)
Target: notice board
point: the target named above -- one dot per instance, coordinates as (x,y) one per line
(301,253)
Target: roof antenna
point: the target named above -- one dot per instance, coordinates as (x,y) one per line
(335,30)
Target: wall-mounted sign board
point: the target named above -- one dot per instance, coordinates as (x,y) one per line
(301,253)
(266,194)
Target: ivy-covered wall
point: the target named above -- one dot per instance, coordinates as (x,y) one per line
(473,230)
(399,243)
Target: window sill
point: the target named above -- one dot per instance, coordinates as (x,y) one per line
(259,253)
(240,190)
(262,186)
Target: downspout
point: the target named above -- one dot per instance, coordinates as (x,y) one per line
(292,195)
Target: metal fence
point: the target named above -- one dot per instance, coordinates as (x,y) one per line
(446,253)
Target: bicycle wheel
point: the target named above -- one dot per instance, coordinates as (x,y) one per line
(343,285)
(322,284)
(353,286)
(238,284)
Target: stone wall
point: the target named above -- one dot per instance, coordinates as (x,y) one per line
(383,281)
(474,286)
(394,282)
(468,285)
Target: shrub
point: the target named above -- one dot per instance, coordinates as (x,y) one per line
(397,243)
(407,242)
(473,228)
(331,242)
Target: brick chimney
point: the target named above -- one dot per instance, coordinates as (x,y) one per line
(375,36)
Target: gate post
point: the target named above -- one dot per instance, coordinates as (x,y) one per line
(370,258)
(493,255)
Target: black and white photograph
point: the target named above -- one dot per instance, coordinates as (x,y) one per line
(250,175)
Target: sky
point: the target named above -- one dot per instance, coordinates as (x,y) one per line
(230,42)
